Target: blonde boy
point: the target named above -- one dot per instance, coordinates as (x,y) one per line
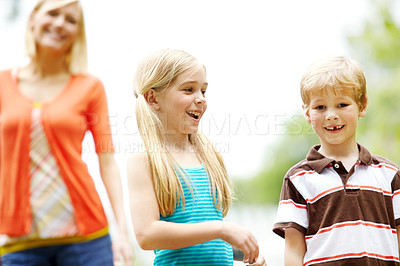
(341,205)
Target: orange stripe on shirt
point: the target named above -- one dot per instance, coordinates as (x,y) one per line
(384,165)
(301,173)
(300,206)
(371,188)
(355,223)
(320,195)
(351,255)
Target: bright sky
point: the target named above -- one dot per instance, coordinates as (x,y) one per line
(255,53)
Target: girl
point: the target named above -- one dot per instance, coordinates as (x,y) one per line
(50,212)
(180,188)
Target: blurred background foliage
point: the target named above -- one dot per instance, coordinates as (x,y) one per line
(377,48)
(10,10)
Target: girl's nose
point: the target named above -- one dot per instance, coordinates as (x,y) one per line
(200,99)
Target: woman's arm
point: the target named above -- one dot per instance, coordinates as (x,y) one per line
(112,182)
(295,247)
(153,234)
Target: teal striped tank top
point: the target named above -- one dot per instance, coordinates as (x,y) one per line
(198,208)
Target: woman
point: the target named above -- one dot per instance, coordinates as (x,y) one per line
(50,212)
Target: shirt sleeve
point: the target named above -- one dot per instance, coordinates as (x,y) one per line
(396,197)
(98,120)
(292,210)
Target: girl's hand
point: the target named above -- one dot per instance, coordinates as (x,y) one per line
(260,261)
(242,239)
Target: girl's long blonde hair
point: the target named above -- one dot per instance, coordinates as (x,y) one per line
(158,71)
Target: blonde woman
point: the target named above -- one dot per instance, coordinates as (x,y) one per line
(50,212)
(180,190)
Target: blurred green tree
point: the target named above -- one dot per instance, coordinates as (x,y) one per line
(377,48)
(289,149)
(11,10)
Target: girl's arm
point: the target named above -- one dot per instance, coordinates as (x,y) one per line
(153,234)
(112,182)
(295,247)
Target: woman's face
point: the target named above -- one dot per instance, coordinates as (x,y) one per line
(55,29)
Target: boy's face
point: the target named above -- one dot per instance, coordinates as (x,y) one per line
(334,118)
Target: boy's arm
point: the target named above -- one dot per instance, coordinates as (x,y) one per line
(398,235)
(295,247)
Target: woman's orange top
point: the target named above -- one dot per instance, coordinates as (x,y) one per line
(80,106)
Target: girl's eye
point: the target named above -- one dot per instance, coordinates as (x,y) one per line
(188,89)
(203,92)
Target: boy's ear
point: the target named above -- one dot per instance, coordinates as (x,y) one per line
(306,114)
(363,110)
(151,99)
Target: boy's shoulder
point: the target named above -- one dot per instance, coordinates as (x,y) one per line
(301,166)
(373,159)
(377,160)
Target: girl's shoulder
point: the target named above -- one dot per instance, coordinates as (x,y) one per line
(138,165)
(138,159)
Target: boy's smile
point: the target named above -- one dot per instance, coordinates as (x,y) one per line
(335,128)
(334,118)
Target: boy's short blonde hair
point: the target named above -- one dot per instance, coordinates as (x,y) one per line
(339,75)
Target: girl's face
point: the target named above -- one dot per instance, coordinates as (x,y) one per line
(181,106)
(55,29)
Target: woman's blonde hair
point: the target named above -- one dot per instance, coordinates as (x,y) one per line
(77,56)
(157,72)
(337,74)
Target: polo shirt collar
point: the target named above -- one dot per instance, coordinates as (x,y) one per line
(318,162)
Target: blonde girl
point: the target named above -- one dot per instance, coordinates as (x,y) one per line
(180,190)
(50,212)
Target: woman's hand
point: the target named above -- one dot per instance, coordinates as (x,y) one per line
(122,249)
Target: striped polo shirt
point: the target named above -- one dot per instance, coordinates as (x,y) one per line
(199,207)
(348,218)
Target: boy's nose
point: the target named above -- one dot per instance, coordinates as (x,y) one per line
(331,115)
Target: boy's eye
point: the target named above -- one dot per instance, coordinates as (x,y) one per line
(319,107)
(343,105)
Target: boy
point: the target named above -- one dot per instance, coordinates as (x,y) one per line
(341,205)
